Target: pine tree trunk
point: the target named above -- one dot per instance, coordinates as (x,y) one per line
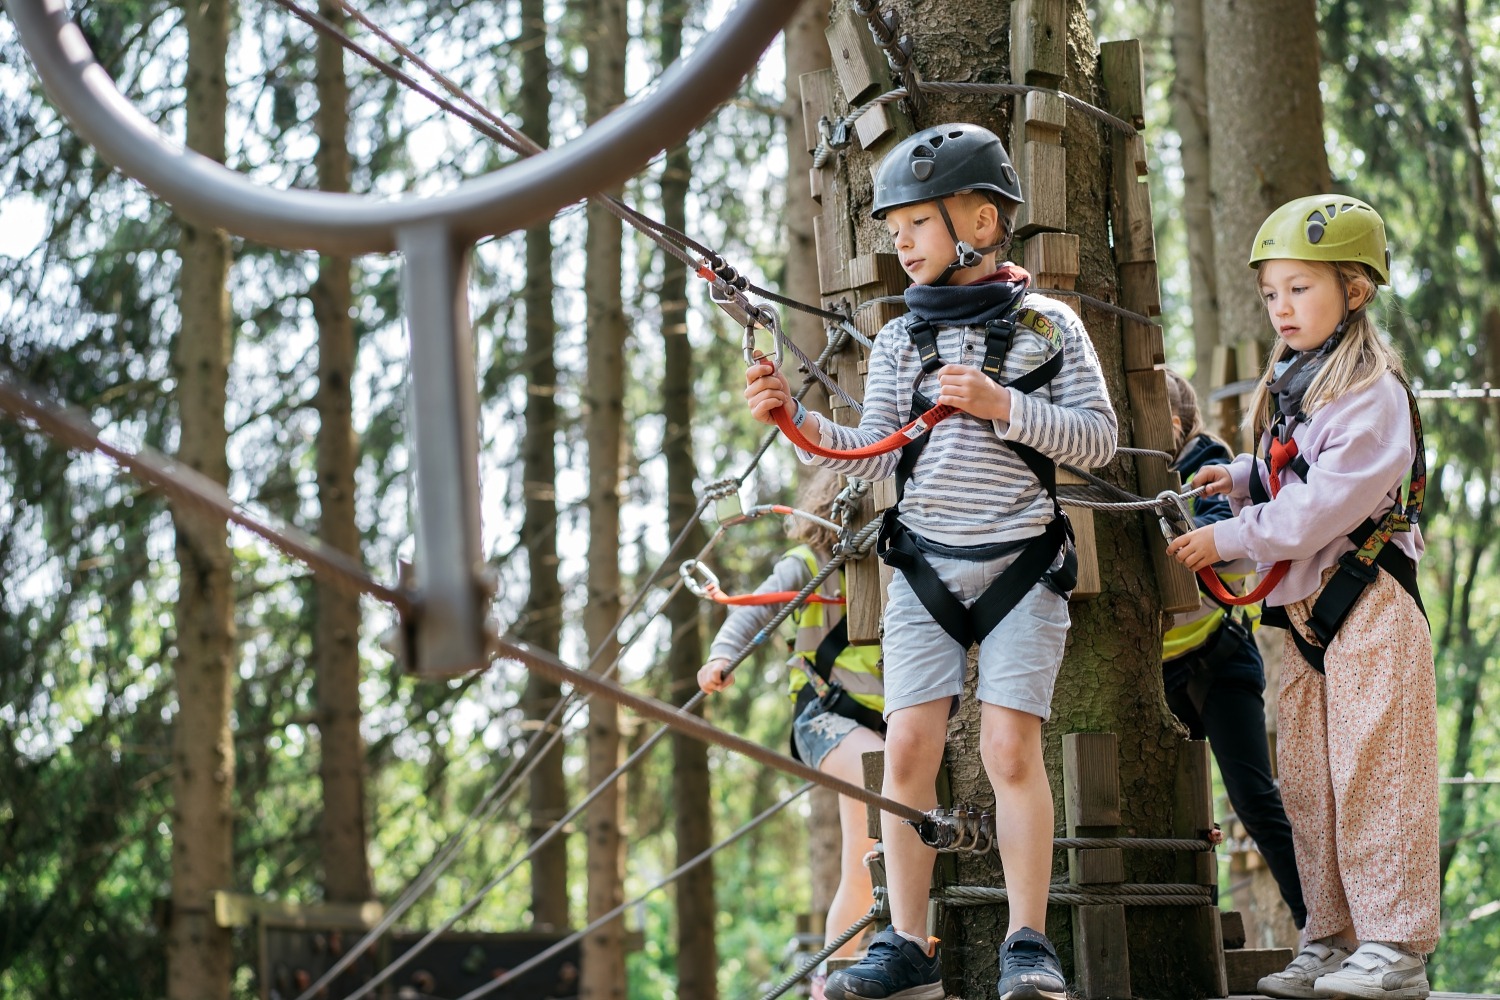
(1111,675)
(603,951)
(1190,117)
(199,957)
(692,804)
(1265,120)
(541,619)
(807,51)
(346,866)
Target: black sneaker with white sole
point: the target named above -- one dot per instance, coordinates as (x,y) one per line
(1029,969)
(895,968)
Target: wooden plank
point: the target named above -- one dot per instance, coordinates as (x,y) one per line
(832,277)
(1042,170)
(862,73)
(1192,817)
(1046,115)
(1039,41)
(1122,68)
(1140,292)
(1123,78)
(1150,412)
(1101,954)
(1090,582)
(883,269)
(1091,780)
(1178,585)
(1052,258)
(873,764)
(1232,926)
(1245,967)
(865,599)
(819,101)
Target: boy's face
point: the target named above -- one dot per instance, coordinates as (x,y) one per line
(925,246)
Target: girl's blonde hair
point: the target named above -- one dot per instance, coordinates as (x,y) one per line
(815,494)
(1360,358)
(1183,400)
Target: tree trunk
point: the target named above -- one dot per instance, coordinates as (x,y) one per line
(604,951)
(1265,141)
(1190,117)
(199,957)
(807,51)
(1111,676)
(346,866)
(541,618)
(692,803)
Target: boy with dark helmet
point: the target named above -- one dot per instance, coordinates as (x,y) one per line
(983,548)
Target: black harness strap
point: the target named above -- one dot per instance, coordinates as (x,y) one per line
(837,700)
(899,550)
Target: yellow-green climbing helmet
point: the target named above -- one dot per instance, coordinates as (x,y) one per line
(1326,227)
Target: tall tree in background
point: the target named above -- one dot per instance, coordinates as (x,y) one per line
(346,867)
(199,958)
(692,805)
(1265,121)
(806,52)
(1190,116)
(606,34)
(541,617)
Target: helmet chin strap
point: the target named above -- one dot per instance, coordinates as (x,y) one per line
(965,256)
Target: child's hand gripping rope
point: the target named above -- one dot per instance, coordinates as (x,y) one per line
(1196,549)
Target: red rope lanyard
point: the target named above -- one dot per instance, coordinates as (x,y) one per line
(891,442)
(1281,456)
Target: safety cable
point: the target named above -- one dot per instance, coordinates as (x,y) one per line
(877,909)
(512,974)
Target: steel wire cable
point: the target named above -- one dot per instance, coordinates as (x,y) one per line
(876,910)
(512,974)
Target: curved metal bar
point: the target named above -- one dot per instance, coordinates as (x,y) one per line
(206,192)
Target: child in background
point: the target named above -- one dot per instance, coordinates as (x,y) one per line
(1212,670)
(831,733)
(978,535)
(1358,729)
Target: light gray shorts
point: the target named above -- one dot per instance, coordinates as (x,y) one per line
(1018,661)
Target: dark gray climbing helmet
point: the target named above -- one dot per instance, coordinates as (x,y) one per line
(941,161)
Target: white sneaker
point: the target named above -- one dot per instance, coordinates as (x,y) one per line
(1376,972)
(1317,958)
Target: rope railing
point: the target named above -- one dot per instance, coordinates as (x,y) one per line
(878,910)
(1091,895)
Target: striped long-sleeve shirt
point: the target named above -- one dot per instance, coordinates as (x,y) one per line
(969,487)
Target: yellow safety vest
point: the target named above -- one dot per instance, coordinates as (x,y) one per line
(857,668)
(1193,629)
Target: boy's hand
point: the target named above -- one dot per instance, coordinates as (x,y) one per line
(766,391)
(1215,477)
(974,392)
(711,676)
(1196,549)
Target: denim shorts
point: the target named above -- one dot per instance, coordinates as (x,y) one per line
(1018,660)
(817,731)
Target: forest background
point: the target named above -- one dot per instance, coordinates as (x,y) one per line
(95,287)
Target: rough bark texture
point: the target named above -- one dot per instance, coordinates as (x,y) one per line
(604,951)
(1266,142)
(807,51)
(1111,676)
(346,867)
(541,618)
(199,957)
(692,806)
(1190,118)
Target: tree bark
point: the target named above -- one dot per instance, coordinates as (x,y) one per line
(1190,117)
(1110,679)
(541,618)
(692,803)
(346,866)
(199,956)
(1265,141)
(604,951)
(806,52)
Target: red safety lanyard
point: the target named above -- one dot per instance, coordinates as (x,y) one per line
(1281,456)
(774,597)
(890,442)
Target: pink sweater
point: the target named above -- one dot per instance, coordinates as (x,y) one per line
(1359,449)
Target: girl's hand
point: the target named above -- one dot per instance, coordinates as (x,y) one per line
(974,392)
(1215,477)
(711,676)
(766,390)
(1196,549)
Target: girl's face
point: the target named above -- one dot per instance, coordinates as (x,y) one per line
(1304,300)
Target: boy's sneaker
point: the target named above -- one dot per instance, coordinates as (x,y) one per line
(1029,969)
(1377,971)
(1317,958)
(895,968)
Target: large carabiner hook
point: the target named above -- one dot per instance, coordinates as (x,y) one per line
(1177,519)
(691,571)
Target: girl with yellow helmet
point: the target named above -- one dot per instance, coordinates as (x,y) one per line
(1358,716)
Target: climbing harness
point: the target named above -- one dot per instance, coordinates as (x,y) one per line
(1372,551)
(898,547)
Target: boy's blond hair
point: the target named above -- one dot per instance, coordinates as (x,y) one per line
(1360,358)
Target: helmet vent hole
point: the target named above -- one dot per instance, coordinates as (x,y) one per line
(955,135)
(923,152)
(935,140)
(1332,210)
